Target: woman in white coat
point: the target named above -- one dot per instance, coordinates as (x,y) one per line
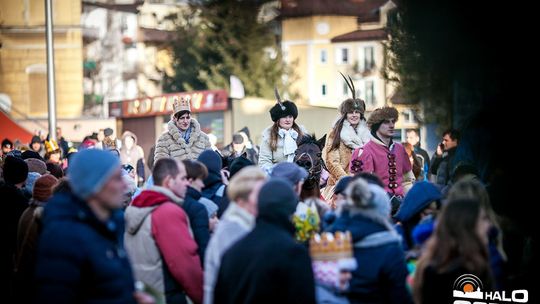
(279,141)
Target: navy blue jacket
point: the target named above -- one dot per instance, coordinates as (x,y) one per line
(80,258)
(211,190)
(381,273)
(198,220)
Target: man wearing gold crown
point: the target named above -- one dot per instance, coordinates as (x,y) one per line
(184,138)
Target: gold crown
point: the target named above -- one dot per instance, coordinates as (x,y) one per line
(51,145)
(181,105)
(330,247)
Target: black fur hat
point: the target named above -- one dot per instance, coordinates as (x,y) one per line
(277,112)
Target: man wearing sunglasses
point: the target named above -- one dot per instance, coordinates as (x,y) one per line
(384,157)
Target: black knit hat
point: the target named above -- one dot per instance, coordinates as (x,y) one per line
(15,170)
(276,112)
(7,143)
(31,154)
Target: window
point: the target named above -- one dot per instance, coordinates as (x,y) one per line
(323,56)
(408,116)
(344,56)
(370,93)
(345,88)
(369,63)
(323,90)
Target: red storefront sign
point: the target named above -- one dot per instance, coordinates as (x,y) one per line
(201,101)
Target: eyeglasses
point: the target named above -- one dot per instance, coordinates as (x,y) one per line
(392,170)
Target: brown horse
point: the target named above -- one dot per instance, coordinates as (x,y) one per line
(309,156)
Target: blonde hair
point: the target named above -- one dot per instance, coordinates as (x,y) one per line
(242,183)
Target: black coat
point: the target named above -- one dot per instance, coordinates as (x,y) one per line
(441,167)
(266,266)
(437,287)
(14,203)
(198,220)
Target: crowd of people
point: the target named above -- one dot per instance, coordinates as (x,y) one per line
(87,225)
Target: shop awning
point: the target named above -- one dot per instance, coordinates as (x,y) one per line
(13,131)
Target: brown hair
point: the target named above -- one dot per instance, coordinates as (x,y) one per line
(164,167)
(336,133)
(274,134)
(195,169)
(454,239)
(416,164)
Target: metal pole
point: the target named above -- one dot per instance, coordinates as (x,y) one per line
(51,90)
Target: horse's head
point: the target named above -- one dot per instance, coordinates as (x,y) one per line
(309,155)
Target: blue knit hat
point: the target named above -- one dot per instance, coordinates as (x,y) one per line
(89,170)
(211,160)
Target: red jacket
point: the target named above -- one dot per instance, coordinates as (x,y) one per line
(163,238)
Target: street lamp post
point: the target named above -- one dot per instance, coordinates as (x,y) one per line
(51,88)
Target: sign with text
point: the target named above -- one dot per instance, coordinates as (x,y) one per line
(201,101)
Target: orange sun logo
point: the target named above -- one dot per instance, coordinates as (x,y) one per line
(468,287)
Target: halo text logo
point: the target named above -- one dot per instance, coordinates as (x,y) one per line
(468,289)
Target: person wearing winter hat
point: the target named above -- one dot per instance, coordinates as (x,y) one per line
(36,165)
(348,133)
(238,164)
(255,260)
(7,145)
(27,237)
(382,272)
(214,187)
(29,184)
(280,140)
(236,222)
(384,157)
(31,154)
(14,203)
(239,147)
(184,138)
(420,205)
(37,146)
(81,241)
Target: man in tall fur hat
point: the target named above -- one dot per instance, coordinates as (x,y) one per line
(384,157)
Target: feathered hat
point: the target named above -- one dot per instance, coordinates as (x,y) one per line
(282,108)
(351,104)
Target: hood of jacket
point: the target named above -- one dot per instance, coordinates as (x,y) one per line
(417,199)
(126,134)
(144,204)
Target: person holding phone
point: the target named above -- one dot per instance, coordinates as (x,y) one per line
(441,162)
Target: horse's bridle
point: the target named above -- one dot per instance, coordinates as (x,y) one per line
(314,171)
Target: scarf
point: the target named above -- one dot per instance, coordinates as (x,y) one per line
(289,142)
(354,137)
(186,135)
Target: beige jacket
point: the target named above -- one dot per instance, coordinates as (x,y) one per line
(171,144)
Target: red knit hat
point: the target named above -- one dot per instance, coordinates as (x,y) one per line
(43,187)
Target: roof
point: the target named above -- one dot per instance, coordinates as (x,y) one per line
(361,35)
(365,10)
(12,130)
(122,7)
